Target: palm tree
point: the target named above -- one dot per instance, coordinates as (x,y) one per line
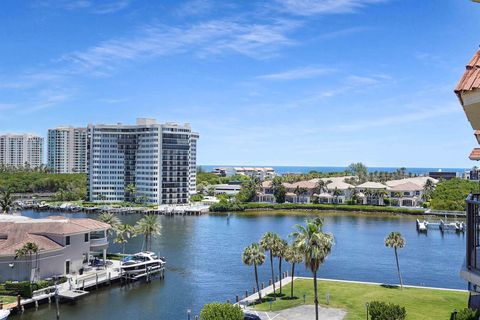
(131,192)
(254,255)
(336,193)
(149,226)
(123,233)
(111,219)
(29,248)
(279,252)
(6,200)
(268,243)
(315,246)
(395,240)
(293,256)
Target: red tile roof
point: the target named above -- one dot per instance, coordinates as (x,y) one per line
(475,154)
(471,78)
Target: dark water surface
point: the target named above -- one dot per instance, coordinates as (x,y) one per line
(204,262)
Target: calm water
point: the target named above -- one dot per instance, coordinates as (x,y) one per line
(300,169)
(204,263)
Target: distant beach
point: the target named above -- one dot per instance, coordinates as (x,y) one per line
(299,169)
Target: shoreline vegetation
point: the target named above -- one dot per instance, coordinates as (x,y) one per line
(253,206)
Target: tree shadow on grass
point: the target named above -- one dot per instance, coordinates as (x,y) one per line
(390,286)
(289,298)
(278,295)
(264,300)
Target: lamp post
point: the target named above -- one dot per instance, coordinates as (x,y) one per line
(189,312)
(367,305)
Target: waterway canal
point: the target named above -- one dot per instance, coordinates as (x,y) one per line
(204,262)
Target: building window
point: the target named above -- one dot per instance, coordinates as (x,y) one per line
(86,237)
(67,240)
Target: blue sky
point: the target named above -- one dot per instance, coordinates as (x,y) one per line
(279,82)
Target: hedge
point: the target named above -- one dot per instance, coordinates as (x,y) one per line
(296,206)
(224,311)
(386,311)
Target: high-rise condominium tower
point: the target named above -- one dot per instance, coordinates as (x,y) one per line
(67,150)
(147,162)
(21,149)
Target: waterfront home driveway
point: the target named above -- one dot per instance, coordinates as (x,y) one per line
(306,312)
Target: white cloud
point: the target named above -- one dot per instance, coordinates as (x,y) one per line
(298,73)
(313,7)
(212,37)
(407,117)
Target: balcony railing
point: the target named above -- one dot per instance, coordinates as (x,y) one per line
(98,242)
(473,233)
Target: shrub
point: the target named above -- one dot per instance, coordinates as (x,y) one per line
(467,314)
(23,288)
(386,311)
(224,311)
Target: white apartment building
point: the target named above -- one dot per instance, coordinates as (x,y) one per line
(67,150)
(158,159)
(21,149)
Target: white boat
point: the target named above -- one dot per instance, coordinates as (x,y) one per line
(422,226)
(142,264)
(4,314)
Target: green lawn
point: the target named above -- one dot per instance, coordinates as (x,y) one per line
(8,299)
(419,303)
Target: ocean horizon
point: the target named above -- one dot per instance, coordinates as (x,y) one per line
(306,169)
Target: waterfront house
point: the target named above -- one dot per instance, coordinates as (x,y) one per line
(371,193)
(468,93)
(65,246)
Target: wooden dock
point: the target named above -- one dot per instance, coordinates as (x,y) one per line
(78,286)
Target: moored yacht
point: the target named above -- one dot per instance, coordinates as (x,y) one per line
(142,264)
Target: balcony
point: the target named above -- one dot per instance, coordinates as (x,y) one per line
(472,259)
(98,244)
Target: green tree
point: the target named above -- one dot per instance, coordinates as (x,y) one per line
(279,252)
(131,192)
(254,255)
(279,190)
(123,233)
(30,249)
(315,246)
(268,243)
(110,219)
(395,240)
(358,169)
(293,256)
(6,200)
(223,311)
(150,227)
(248,190)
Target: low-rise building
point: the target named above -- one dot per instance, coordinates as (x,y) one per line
(229,189)
(64,246)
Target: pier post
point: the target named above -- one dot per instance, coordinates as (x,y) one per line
(263,286)
(19,302)
(246,294)
(96,280)
(237,298)
(253,290)
(228,301)
(109,278)
(269,282)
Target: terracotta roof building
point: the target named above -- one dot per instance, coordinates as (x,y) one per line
(64,245)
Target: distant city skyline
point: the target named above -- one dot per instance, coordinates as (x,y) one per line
(267,83)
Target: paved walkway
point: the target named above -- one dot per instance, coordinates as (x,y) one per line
(306,312)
